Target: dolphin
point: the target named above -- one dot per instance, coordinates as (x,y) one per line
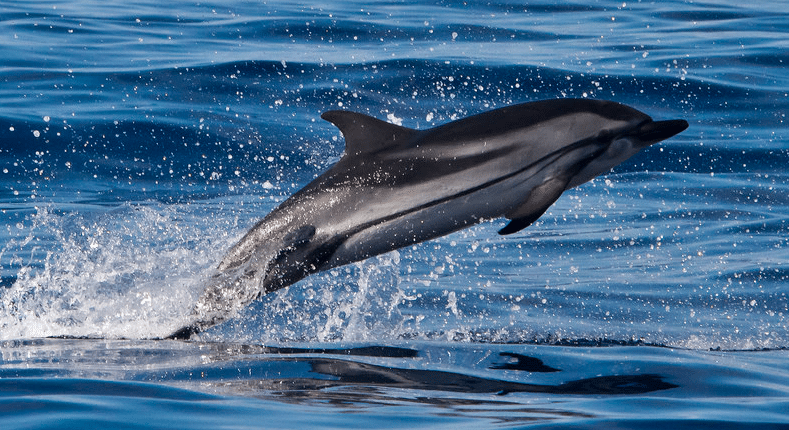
(395,186)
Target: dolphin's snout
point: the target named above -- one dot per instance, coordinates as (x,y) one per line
(655,131)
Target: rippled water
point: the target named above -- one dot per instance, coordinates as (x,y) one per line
(138,142)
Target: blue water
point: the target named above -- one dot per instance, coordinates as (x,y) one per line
(139,141)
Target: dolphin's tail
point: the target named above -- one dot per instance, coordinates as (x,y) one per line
(225,294)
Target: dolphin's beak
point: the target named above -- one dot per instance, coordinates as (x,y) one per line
(654,131)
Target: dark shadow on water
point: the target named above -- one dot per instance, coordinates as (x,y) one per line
(357,387)
(363,351)
(351,373)
(523,363)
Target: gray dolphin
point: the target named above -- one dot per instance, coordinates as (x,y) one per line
(396,186)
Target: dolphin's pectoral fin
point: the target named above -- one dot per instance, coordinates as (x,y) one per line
(535,205)
(519,224)
(364,134)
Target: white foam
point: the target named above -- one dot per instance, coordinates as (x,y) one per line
(131,271)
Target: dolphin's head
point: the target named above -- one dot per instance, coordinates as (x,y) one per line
(624,143)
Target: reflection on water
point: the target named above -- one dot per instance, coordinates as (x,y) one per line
(350,373)
(488,382)
(349,378)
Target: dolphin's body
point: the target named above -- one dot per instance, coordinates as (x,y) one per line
(397,186)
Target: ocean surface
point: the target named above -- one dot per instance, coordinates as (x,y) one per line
(139,140)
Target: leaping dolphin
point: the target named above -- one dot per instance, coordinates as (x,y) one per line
(397,186)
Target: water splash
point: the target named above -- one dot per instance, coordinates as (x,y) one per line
(135,271)
(360,302)
(131,271)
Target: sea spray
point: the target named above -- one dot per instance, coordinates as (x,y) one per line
(128,271)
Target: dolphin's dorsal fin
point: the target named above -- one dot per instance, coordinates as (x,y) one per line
(364,134)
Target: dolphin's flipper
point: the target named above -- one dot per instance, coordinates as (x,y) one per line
(365,135)
(519,224)
(535,205)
